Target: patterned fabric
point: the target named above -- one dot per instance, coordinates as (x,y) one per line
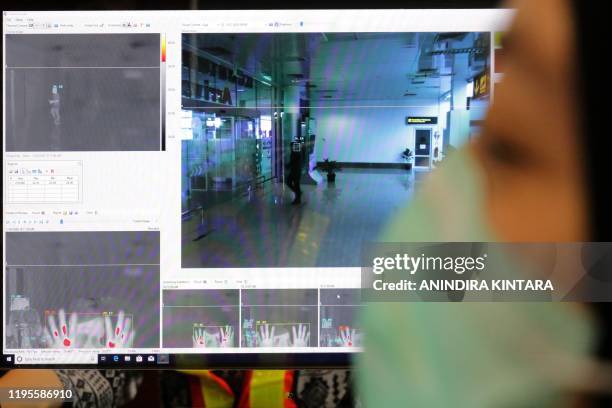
(311,388)
(100,388)
(324,388)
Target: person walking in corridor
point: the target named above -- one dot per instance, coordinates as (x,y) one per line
(295,172)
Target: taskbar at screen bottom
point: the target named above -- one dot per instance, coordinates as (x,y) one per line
(160,361)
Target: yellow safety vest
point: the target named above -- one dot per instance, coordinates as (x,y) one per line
(261,388)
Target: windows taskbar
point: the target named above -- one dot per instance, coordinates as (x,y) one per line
(161,361)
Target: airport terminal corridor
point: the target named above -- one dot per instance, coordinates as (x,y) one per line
(377,110)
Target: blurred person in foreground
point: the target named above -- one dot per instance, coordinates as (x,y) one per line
(536,174)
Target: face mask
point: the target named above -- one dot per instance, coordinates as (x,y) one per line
(467,354)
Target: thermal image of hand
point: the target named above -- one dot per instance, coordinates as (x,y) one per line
(122,335)
(266,336)
(301,335)
(347,336)
(199,338)
(226,337)
(64,336)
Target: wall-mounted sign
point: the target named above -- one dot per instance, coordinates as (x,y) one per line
(217,95)
(421,120)
(206,80)
(481,85)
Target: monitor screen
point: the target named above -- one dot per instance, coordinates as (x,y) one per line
(193,188)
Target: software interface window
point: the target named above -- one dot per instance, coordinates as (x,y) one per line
(146,160)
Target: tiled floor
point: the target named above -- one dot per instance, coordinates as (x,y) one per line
(262,229)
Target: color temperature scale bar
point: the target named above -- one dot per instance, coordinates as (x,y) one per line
(163,92)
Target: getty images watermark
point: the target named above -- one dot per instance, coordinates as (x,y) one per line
(443,272)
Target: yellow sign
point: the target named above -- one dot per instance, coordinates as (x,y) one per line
(421,120)
(481,85)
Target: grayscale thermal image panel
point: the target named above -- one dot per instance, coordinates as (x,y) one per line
(34,294)
(188,314)
(340,309)
(272,317)
(84,284)
(83,92)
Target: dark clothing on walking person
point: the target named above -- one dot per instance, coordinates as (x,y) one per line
(294,175)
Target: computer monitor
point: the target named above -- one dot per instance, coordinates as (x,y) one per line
(153,215)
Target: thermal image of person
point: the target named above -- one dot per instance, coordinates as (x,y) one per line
(54,102)
(536,174)
(224,337)
(348,336)
(89,332)
(269,337)
(89,326)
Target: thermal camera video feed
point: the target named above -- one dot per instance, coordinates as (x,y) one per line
(340,309)
(82,290)
(200,318)
(83,92)
(279,318)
